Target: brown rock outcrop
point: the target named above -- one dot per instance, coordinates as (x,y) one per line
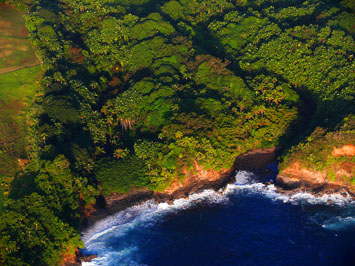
(200,178)
(296,177)
(346,150)
(195,181)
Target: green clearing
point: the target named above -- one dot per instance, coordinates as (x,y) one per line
(16,53)
(19,81)
(20,85)
(15,48)
(11,22)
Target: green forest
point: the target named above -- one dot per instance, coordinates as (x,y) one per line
(133,93)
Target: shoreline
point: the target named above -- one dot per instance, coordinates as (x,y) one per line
(257,161)
(118,202)
(302,104)
(261,162)
(316,189)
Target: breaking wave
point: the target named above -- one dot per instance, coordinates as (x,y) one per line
(340,223)
(145,215)
(245,182)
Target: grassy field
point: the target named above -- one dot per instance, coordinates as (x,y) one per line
(15,48)
(20,85)
(20,74)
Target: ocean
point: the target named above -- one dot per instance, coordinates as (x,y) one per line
(246,223)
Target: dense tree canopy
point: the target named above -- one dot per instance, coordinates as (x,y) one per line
(134,92)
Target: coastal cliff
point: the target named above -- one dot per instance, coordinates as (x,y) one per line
(323,163)
(195,180)
(334,177)
(332,152)
(131,92)
(337,177)
(293,178)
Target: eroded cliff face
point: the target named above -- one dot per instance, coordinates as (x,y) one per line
(200,178)
(294,177)
(195,180)
(335,176)
(346,150)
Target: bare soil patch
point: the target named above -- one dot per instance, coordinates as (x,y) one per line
(346,150)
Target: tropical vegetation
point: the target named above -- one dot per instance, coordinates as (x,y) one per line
(134,93)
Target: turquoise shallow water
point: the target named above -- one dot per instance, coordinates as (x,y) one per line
(248,223)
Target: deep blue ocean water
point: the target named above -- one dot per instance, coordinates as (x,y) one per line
(248,223)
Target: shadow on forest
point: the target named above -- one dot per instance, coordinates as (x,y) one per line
(313,111)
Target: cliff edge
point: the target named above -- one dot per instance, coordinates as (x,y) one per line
(196,180)
(324,163)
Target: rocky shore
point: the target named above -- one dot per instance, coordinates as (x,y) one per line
(115,202)
(315,182)
(262,162)
(195,181)
(296,177)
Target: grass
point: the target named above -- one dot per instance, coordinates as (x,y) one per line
(17,90)
(15,48)
(21,84)
(16,54)
(20,74)
(11,22)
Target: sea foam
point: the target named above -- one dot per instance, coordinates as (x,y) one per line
(245,182)
(339,223)
(145,215)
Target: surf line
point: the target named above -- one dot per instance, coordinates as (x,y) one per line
(244,182)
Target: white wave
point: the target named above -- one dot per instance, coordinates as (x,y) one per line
(124,257)
(119,219)
(244,178)
(148,213)
(244,183)
(143,215)
(339,223)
